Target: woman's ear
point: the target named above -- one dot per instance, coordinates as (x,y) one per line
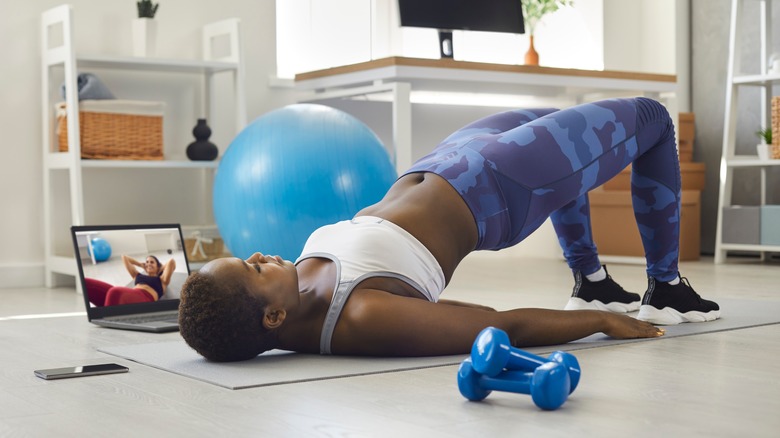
(273,318)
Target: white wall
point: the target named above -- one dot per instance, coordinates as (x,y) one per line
(639,35)
(314,37)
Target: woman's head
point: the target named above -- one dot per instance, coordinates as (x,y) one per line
(152,266)
(231,309)
(222,321)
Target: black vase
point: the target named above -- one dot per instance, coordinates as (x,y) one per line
(202,149)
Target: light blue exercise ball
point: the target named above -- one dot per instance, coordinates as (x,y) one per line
(101,249)
(292,171)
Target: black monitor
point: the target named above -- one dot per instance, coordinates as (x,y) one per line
(448,15)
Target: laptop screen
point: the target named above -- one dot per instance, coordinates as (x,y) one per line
(128,269)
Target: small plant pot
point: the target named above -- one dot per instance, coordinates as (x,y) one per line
(764,151)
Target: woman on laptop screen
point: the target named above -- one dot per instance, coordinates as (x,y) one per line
(148,285)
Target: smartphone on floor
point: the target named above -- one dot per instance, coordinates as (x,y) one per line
(82,371)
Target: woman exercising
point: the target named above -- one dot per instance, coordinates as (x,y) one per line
(147,287)
(371,285)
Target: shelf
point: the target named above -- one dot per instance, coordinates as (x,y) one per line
(141,164)
(760,80)
(750,161)
(63,160)
(151,64)
(748,247)
(760,18)
(62,264)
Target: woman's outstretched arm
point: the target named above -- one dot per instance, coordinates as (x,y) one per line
(378,323)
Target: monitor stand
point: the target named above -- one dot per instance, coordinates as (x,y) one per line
(445,44)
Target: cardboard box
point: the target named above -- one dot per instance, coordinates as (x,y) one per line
(741,224)
(770,225)
(692,174)
(204,249)
(686,129)
(615,231)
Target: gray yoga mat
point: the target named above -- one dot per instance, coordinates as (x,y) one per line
(280,367)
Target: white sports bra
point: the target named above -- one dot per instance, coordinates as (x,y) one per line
(365,247)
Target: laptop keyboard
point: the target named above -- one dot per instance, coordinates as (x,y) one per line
(140,319)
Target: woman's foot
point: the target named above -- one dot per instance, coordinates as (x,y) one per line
(668,304)
(601,295)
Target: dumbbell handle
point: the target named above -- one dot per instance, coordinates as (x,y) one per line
(524,361)
(508,381)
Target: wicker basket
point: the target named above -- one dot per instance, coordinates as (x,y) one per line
(776,127)
(116,129)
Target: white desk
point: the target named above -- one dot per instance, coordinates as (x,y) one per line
(401,76)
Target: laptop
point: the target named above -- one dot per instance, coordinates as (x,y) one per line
(99,250)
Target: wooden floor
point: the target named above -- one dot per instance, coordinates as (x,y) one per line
(721,384)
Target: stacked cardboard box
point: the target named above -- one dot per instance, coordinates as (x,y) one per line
(685,134)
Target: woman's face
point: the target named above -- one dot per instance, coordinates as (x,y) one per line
(151,267)
(271,277)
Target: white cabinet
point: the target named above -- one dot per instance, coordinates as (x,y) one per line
(737,81)
(68,168)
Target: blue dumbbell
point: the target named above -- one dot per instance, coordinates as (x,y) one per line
(548,384)
(492,352)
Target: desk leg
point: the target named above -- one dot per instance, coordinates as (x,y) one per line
(402,126)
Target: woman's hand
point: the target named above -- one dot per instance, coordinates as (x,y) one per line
(626,327)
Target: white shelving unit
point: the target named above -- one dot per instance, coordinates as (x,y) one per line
(57,25)
(736,81)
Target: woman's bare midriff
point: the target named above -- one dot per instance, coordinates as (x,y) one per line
(147,289)
(426,205)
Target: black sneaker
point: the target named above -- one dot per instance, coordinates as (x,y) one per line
(667,305)
(601,295)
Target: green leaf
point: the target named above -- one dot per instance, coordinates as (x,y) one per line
(534,10)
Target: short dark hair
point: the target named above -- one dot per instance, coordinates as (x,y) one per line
(223,321)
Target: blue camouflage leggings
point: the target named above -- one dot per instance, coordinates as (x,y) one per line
(517,168)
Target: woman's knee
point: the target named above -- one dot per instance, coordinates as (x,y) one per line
(126,295)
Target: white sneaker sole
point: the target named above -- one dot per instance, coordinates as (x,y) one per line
(614,307)
(670,316)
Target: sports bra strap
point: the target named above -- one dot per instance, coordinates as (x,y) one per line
(340,296)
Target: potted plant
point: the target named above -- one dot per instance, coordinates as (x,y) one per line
(533,11)
(147,9)
(764,148)
(145,28)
